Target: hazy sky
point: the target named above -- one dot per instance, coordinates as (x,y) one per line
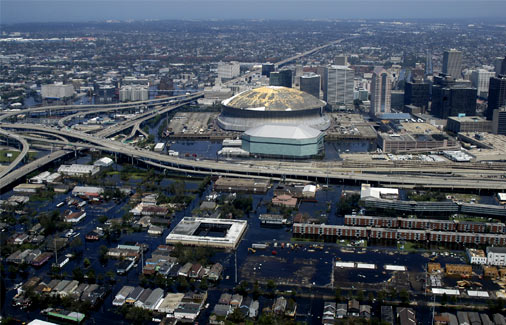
(14,11)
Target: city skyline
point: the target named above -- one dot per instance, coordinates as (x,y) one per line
(28,11)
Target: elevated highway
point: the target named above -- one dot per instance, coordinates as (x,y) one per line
(21,155)
(308,171)
(96,107)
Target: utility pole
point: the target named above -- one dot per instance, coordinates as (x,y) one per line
(235,255)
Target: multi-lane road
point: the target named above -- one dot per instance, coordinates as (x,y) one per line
(406,176)
(448,176)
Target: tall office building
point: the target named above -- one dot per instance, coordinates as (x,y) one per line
(428,63)
(341,60)
(381,86)
(503,66)
(310,83)
(227,71)
(417,94)
(499,121)
(267,68)
(281,78)
(452,98)
(339,85)
(322,71)
(452,63)
(480,79)
(496,94)
(498,65)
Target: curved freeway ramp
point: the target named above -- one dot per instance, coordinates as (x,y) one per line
(20,157)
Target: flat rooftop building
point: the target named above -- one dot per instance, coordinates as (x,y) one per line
(468,124)
(227,184)
(210,232)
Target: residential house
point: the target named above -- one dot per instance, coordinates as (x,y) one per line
(365,311)
(236,300)
(222,310)
(225,299)
(143,297)
(406,316)
(187,311)
(121,296)
(387,315)
(485,319)
(463,318)
(215,272)
(329,312)
(341,310)
(185,269)
(154,299)
(170,303)
(195,270)
(253,309)
(134,295)
(279,306)
(353,308)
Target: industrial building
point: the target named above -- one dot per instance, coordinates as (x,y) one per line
(272,105)
(284,141)
(209,232)
(458,124)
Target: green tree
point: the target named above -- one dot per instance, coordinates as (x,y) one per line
(237,316)
(404,296)
(86,262)
(77,274)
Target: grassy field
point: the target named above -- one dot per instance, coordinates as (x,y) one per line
(5,159)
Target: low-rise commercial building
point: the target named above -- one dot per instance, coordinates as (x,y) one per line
(476,256)
(196,232)
(458,124)
(78,170)
(395,143)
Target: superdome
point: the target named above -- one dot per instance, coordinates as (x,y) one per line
(272,105)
